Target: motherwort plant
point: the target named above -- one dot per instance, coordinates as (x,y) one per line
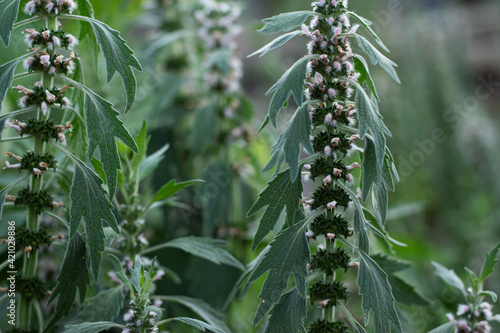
(54,104)
(335,116)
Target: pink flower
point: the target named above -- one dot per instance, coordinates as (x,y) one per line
(331,205)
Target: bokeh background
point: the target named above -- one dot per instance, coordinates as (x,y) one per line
(444,118)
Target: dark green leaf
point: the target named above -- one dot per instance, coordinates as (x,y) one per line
(358,328)
(91,327)
(90,203)
(376,295)
(449,276)
(86,9)
(296,133)
(446,328)
(8,16)
(292,82)
(171,188)
(204,129)
(289,254)
(284,22)
(6,76)
(361,67)
(288,315)
(204,310)
(277,43)
(489,263)
(120,272)
(103,125)
(105,306)
(151,162)
(119,57)
(206,248)
(406,293)
(73,277)
(280,192)
(202,326)
(378,58)
(371,171)
(142,147)
(380,203)
(390,265)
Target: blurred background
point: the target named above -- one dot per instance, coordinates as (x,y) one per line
(444,118)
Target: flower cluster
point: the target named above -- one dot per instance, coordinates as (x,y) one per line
(50,7)
(44,130)
(42,97)
(328,89)
(50,64)
(472,319)
(218,32)
(138,320)
(50,39)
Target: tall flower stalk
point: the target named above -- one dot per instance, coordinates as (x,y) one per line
(57,70)
(336,114)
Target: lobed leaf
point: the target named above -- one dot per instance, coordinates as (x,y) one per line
(378,58)
(287,148)
(171,188)
(103,125)
(289,255)
(8,16)
(280,192)
(288,315)
(292,82)
(367,23)
(90,204)
(151,162)
(206,248)
(277,43)
(284,22)
(73,278)
(376,295)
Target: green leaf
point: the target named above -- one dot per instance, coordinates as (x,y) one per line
(490,293)
(489,263)
(288,315)
(292,82)
(378,58)
(103,125)
(361,67)
(446,328)
(73,278)
(371,171)
(6,189)
(287,148)
(367,23)
(142,147)
(449,276)
(202,326)
(85,8)
(91,327)
(389,264)
(380,203)
(280,192)
(206,248)
(119,57)
(120,272)
(276,43)
(284,22)
(136,274)
(151,162)
(376,295)
(358,328)
(289,254)
(370,119)
(105,306)
(6,76)
(171,188)
(8,16)
(204,310)
(90,203)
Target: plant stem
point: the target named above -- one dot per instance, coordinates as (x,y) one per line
(329,313)
(30,263)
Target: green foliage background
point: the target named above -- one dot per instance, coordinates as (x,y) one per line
(445,143)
